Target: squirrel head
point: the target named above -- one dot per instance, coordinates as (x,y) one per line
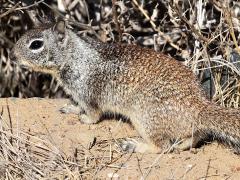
(42,49)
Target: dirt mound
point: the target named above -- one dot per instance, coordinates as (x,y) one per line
(93,148)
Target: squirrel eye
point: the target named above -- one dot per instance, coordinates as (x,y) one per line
(36,44)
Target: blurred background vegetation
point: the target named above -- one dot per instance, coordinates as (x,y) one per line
(204,35)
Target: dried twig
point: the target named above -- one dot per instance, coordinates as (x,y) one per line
(9,11)
(228,17)
(115,17)
(166,37)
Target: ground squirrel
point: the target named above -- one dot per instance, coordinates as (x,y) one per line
(161,97)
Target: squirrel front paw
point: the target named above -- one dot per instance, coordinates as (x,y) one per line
(70,108)
(84,118)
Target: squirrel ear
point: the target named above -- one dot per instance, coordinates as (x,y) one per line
(60,27)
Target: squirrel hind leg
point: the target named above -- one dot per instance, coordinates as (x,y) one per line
(191,141)
(186,144)
(139,146)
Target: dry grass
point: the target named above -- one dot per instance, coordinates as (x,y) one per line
(204,35)
(26,156)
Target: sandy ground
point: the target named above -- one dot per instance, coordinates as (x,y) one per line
(96,148)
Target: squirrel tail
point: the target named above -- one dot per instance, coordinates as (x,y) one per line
(221,124)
